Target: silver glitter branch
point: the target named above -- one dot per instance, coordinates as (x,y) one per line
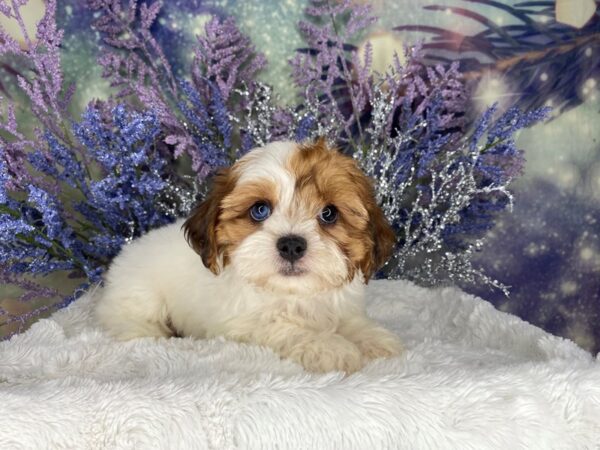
(259,112)
(420,210)
(422,255)
(264,121)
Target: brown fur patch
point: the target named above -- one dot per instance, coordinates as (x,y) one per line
(326,177)
(222,221)
(200,228)
(235,223)
(242,197)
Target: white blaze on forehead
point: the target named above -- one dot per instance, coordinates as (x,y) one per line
(269,163)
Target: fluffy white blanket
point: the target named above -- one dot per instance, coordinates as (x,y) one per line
(471,378)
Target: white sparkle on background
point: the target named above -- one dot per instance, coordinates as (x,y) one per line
(493,88)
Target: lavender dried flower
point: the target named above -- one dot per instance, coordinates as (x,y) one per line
(83,229)
(226,57)
(76,191)
(195,114)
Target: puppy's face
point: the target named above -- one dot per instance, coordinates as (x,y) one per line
(292,218)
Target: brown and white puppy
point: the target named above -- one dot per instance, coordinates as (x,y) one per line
(288,238)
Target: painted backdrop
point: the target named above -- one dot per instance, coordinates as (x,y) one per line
(525,53)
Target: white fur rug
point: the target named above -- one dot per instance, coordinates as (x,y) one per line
(471,378)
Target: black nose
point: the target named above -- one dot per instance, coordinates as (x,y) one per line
(291,247)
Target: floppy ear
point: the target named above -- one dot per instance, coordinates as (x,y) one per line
(200,228)
(383,238)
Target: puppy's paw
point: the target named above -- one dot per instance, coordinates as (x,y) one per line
(327,354)
(379,343)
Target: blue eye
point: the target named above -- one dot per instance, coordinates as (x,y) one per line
(328,215)
(260,211)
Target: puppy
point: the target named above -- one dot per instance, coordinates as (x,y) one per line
(278,254)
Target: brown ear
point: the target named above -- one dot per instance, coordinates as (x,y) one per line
(201,227)
(383,237)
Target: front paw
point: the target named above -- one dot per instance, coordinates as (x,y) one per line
(328,354)
(379,343)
